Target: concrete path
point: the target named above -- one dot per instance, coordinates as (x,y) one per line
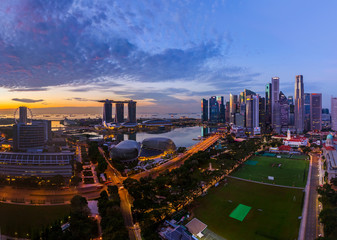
(269,184)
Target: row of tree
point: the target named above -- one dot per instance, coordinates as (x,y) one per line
(81,224)
(96,157)
(328,215)
(112,223)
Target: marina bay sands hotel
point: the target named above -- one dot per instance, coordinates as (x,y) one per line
(119,113)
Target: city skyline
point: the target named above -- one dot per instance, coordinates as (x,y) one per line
(166,55)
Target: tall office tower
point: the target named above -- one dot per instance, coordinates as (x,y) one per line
(247,92)
(326,118)
(316,111)
(284,110)
(242,108)
(213,110)
(240,116)
(252,111)
(233,99)
(291,111)
(262,113)
(256,103)
(268,104)
(227,113)
(132,112)
(204,110)
(119,115)
(107,111)
(299,104)
(275,104)
(249,112)
(334,113)
(220,100)
(307,121)
(291,115)
(23,115)
(242,98)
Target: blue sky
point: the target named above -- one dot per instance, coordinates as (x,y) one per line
(167,55)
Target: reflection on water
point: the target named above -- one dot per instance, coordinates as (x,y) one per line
(182,137)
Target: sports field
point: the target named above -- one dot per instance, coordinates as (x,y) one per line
(286,171)
(22,219)
(273,215)
(240,212)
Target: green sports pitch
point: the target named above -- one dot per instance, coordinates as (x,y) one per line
(286,171)
(240,212)
(273,215)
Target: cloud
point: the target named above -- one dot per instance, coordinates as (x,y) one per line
(27,89)
(81,99)
(27,100)
(66,42)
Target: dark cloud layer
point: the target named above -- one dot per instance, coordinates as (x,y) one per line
(28,89)
(27,100)
(82,43)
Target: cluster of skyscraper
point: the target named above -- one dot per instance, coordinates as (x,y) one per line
(119,113)
(273,112)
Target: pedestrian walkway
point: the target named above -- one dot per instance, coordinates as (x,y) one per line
(269,184)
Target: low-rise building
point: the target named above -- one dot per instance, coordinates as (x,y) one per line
(16,164)
(330,154)
(295,141)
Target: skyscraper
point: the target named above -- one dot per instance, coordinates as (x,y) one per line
(213,110)
(316,111)
(252,111)
(132,112)
(307,121)
(107,111)
(334,113)
(299,104)
(284,110)
(255,111)
(220,100)
(249,112)
(268,104)
(275,105)
(262,113)
(119,114)
(291,115)
(233,99)
(204,110)
(326,118)
(227,113)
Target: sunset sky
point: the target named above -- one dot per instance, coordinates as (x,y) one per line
(166,55)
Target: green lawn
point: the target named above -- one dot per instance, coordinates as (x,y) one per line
(292,172)
(23,219)
(273,215)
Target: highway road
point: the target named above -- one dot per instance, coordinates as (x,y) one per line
(312,228)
